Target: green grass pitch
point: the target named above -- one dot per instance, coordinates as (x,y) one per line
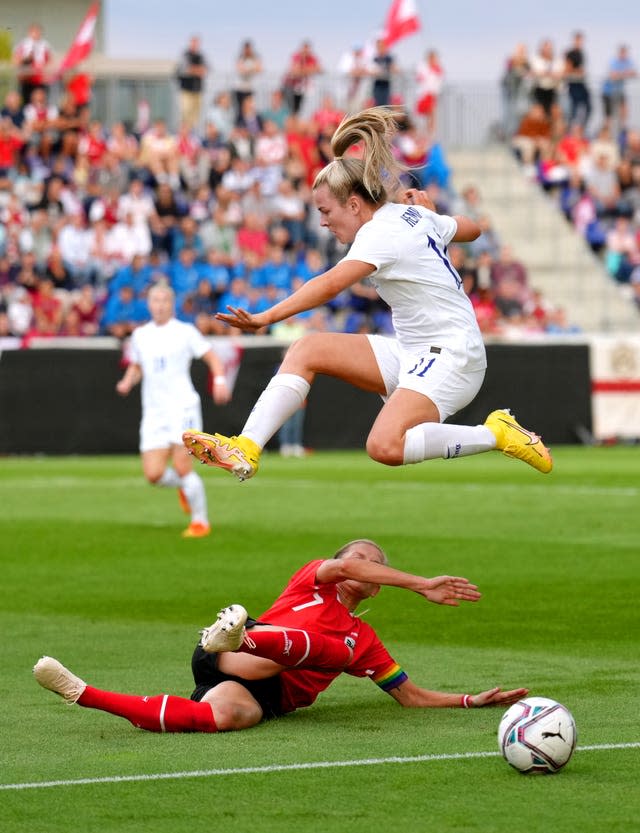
(95,573)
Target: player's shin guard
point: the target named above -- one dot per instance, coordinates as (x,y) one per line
(297,648)
(161,713)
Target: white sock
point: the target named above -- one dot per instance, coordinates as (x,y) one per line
(193,488)
(170,478)
(282,397)
(433,439)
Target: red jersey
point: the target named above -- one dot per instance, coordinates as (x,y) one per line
(307,605)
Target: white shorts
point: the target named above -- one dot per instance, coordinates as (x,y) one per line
(161,429)
(440,374)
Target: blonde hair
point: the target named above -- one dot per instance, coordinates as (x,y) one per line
(347,547)
(377,175)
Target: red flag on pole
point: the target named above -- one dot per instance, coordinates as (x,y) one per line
(402,20)
(83,42)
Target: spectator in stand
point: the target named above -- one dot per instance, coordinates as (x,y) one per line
(278,110)
(13,109)
(122,313)
(123,145)
(93,144)
(183,273)
(430,79)
(249,118)
(11,143)
(239,178)
(248,66)
(136,201)
(533,137)
(507,268)
(221,113)
(276,269)
(159,154)
(56,271)
(614,99)
(488,241)
(48,310)
(383,68)
(546,73)
(32,58)
(126,239)
(515,87)
(575,77)
(573,148)
(75,248)
(19,311)
(40,115)
(186,236)
(602,186)
(303,66)
(168,209)
(355,67)
(289,210)
(328,116)
(83,316)
(253,236)
(622,252)
(138,274)
(302,138)
(191,74)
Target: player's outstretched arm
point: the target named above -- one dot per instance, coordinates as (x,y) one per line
(410,696)
(448,590)
(312,294)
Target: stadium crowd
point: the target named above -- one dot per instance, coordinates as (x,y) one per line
(593,170)
(93,214)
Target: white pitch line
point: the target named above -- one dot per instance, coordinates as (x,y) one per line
(252,770)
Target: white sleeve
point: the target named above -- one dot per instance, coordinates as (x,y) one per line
(134,348)
(371,247)
(447,226)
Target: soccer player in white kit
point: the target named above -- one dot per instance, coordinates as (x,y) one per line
(436,363)
(161,355)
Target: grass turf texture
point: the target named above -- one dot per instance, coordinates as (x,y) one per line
(95,573)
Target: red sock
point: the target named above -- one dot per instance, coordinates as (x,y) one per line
(297,648)
(162,713)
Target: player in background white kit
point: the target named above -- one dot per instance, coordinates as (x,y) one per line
(436,363)
(161,355)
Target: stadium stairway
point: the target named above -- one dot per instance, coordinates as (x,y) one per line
(559,262)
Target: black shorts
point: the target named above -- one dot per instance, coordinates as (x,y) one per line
(206,675)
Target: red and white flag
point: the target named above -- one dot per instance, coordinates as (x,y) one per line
(83,42)
(402,20)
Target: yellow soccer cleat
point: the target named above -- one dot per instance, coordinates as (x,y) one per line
(515,441)
(196,529)
(239,455)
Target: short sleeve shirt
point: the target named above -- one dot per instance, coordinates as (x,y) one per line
(407,245)
(165,354)
(308,605)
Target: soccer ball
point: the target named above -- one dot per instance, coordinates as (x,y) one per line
(537,735)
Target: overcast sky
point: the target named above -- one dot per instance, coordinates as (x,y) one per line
(473,37)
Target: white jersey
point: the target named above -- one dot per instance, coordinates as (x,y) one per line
(165,354)
(407,244)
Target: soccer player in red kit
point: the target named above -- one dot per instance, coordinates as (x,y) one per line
(248,670)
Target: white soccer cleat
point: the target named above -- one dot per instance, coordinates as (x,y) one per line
(227,632)
(53,675)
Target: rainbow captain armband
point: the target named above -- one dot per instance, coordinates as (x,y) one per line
(390,678)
